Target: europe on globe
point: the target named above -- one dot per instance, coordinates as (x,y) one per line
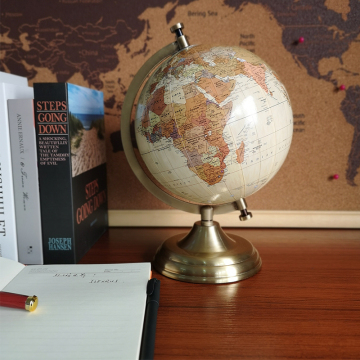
(213,124)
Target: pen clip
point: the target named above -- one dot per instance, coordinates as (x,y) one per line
(151,286)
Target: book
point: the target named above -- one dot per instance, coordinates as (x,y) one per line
(84,311)
(8,241)
(70,138)
(13,79)
(25,180)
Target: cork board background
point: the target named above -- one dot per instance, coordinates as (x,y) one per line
(101,44)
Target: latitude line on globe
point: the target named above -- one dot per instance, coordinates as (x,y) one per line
(245,167)
(285,126)
(258,112)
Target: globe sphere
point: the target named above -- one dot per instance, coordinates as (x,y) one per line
(213,124)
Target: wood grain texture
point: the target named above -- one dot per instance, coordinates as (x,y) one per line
(303,304)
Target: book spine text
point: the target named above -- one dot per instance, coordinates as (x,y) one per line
(25,181)
(54,162)
(8,237)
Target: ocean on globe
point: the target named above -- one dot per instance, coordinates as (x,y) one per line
(213,124)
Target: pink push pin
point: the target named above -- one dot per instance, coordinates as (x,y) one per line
(301,40)
(342,87)
(335,176)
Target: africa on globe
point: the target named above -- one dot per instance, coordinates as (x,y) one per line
(213,124)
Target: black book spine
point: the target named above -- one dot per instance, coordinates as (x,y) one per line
(54,165)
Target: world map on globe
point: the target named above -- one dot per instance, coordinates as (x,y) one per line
(213,124)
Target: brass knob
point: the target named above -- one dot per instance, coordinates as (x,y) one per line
(244,213)
(177,29)
(180,37)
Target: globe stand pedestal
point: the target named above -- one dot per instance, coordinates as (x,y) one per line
(207,255)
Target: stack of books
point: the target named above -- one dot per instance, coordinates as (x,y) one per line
(53,192)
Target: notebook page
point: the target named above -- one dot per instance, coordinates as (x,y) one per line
(84,312)
(8,270)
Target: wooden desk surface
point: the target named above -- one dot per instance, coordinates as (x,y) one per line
(303,304)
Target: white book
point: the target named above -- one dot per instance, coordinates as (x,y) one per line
(13,79)
(8,242)
(25,180)
(84,312)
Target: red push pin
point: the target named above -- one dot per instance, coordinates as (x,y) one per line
(342,87)
(301,40)
(335,176)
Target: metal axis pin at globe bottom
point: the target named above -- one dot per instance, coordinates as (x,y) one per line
(213,124)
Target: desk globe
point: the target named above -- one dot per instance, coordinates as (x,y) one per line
(213,124)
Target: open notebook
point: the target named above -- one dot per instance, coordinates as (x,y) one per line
(84,311)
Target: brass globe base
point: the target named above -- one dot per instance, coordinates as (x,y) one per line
(207,255)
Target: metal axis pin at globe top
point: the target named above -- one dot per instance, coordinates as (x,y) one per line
(206,254)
